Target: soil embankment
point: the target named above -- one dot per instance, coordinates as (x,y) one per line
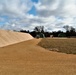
(10,37)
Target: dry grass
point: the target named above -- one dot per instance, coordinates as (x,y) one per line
(65,45)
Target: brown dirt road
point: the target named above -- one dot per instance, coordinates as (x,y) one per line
(27,58)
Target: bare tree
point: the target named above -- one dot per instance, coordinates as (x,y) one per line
(39,29)
(69,28)
(70,31)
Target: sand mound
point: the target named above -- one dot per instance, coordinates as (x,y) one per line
(10,37)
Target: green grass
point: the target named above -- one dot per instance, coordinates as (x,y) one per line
(64,45)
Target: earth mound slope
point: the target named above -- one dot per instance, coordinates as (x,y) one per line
(11,37)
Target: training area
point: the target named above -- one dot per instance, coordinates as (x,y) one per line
(21,54)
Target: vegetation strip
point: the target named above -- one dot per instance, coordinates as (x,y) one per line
(67,45)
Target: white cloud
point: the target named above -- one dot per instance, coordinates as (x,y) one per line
(52,14)
(15,7)
(56,7)
(64,9)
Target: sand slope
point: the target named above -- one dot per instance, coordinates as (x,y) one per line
(10,37)
(27,58)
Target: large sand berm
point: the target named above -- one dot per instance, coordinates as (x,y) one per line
(11,37)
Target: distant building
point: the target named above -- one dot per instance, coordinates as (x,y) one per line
(51,36)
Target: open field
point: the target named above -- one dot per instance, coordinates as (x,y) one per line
(65,45)
(28,58)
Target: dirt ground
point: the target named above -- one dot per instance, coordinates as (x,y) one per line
(27,58)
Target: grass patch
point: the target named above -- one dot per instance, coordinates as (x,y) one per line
(67,45)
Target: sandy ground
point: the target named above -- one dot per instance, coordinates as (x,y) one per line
(27,58)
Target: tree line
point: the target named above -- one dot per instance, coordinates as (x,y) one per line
(70,32)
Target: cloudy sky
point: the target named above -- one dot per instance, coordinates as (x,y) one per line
(26,14)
